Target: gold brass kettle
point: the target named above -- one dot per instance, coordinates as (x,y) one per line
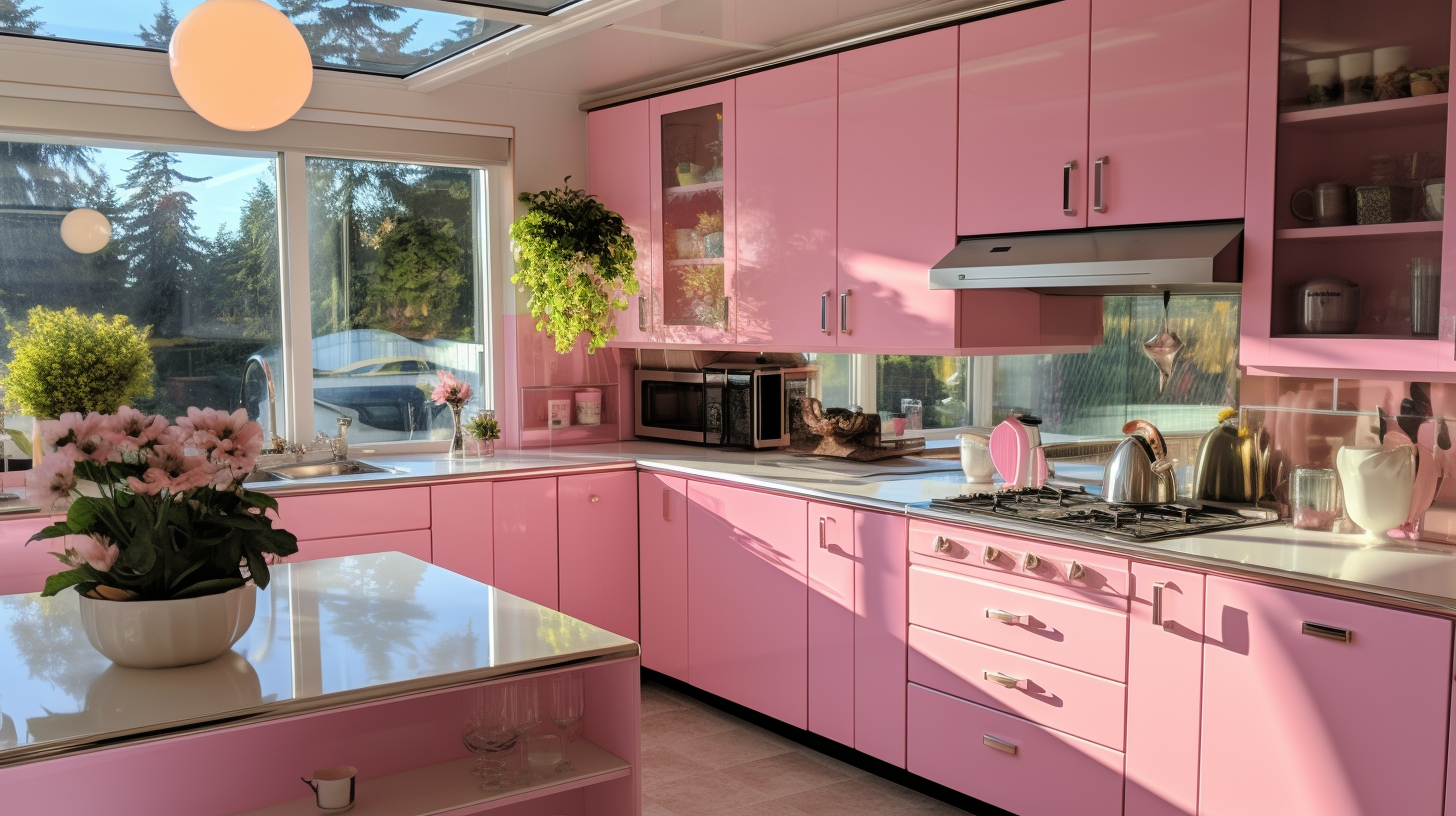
(1227,466)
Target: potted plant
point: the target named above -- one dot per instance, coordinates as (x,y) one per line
(64,362)
(574,257)
(485,430)
(168,550)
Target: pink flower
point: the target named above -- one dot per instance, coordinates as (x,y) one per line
(55,478)
(79,437)
(452,390)
(101,555)
(228,440)
(130,430)
(170,468)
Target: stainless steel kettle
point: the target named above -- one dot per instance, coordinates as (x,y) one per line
(1140,472)
(1227,466)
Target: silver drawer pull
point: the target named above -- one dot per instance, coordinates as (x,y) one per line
(990,554)
(942,544)
(1030,561)
(1320,630)
(1002,615)
(1158,603)
(1000,679)
(1001,745)
(1076,572)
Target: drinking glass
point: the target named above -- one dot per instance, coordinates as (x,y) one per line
(544,755)
(568,706)
(489,736)
(522,714)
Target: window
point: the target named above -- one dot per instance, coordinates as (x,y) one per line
(396,277)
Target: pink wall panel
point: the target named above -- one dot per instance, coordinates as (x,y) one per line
(831,621)
(24,567)
(747,599)
(1023,117)
(597,533)
(617,154)
(787,203)
(463,529)
(897,190)
(1164,683)
(880,623)
(525,539)
(354,512)
(1290,723)
(663,516)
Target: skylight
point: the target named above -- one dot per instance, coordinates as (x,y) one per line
(345,35)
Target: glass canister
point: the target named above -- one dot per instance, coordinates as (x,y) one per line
(1425,278)
(588,406)
(1315,502)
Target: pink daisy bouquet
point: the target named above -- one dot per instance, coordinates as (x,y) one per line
(451,390)
(172,519)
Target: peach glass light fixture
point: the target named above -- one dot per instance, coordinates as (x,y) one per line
(85,231)
(241,64)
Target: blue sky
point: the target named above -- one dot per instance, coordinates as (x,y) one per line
(219,199)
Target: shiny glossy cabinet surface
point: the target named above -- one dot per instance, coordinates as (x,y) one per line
(619,157)
(662,513)
(832,555)
(1298,716)
(525,539)
(693,214)
(597,529)
(463,530)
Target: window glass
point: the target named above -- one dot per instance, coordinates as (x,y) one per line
(393,274)
(194,255)
(835,379)
(937,388)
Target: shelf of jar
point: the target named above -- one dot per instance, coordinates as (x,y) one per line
(448,787)
(694,189)
(1352,352)
(1391,113)
(1362,232)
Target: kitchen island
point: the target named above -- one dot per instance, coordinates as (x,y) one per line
(373,661)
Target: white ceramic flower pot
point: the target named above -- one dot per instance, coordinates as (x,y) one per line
(167,634)
(1378,485)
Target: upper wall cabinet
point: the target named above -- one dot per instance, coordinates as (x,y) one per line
(620,178)
(787,161)
(693,214)
(1023,120)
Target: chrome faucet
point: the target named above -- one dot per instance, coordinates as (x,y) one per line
(276,443)
(341,442)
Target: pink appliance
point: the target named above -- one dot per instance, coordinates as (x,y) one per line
(1016,451)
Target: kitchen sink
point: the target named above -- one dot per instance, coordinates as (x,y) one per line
(348,467)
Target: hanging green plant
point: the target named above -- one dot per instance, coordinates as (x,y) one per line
(574,257)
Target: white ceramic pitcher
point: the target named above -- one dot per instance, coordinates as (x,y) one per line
(1378,484)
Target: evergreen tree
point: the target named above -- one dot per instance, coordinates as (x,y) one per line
(163,24)
(18,18)
(249,278)
(159,241)
(45,176)
(351,34)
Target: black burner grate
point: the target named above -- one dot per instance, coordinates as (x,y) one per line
(1078,509)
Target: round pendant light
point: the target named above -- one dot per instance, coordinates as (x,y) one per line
(241,64)
(85,231)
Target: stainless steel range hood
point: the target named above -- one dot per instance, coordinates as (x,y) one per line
(1202,258)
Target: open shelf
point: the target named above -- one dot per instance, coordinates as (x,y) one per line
(697,262)
(448,786)
(693,189)
(1391,113)
(1350,337)
(1362,232)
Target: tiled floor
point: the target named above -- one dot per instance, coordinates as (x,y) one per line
(697,760)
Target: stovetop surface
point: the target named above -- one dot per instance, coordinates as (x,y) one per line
(1079,510)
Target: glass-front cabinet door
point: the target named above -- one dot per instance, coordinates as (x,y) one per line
(693,216)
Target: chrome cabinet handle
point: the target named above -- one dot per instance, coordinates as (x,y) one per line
(1098,202)
(726,300)
(595,498)
(824,313)
(1320,630)
(1002,615)
(1000,745)
(1067,188)
(642,312)
(1158,603)
(942,544)
(844,312)
(666,504)
(1001,679)
(990,554)
(1076,572)
(823,533)
(1030,561)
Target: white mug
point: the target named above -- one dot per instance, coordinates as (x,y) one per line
(1386,60)
(333,788)
(558,412)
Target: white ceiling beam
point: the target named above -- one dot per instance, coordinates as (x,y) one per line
(695,38)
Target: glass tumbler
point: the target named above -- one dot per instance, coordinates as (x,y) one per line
(1314,498)
(1425,277)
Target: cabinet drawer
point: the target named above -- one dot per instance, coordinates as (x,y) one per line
(1023,562)
(354,513)
(1067,633)
(1009,762)
(1064,699)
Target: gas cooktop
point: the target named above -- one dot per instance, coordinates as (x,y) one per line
(1079,510)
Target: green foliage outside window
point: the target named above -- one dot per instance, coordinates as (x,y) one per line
(414,287)
(65,361)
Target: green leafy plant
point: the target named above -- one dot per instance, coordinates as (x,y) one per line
(67,362)
(415,285)
(709,223)
(575,259)
(484,426)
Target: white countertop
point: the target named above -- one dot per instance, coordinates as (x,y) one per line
(327,633)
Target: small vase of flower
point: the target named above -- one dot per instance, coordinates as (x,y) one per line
(484,430)
(454,392)
(168,550)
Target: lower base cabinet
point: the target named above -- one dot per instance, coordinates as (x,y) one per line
(1007,761)
(409,542)
(525,539)
(1316,706)
(462,529)
(662,519)
(597,549)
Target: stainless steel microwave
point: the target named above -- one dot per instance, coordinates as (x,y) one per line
(741,405)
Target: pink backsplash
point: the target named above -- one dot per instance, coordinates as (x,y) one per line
(536,374)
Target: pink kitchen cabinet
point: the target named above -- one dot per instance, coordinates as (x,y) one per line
(618,156)
(525,539)
(1164,679)
(832,555)
(897,192)
(1168,113)
(748,599)
(341,514)
(410,542)
(694,200)
(880,624)
(25,567)
(787,204)
(463,529)
(1023,120)
(662,516)
(597,534)
(1315,706)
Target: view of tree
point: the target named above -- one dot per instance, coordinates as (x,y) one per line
(160,34)
(414,287)
(351,34)
(159,240)
(18,18)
